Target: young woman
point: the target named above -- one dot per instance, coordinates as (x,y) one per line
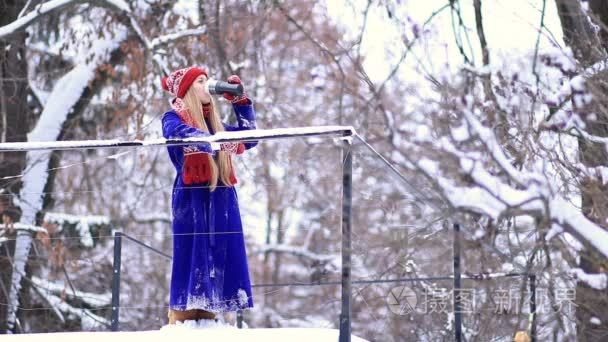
(210,273)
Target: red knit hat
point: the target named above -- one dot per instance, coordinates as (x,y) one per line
(180,80)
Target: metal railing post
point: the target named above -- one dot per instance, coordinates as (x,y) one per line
(532,307)
(116,280)
(457,285)
(239,319)
(347,180)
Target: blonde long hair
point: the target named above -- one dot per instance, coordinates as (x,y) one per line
(223,166)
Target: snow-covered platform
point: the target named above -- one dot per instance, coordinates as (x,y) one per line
(184,333)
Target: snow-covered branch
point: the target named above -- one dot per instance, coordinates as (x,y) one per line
(63,310)
(23,226)
(593,138)
(116,5)
(596,281)
(93,300)
(168,38)
(493,147)
(490,196)
(599,173)
(596,68)
(509,193)
(297,251)
(83,226)
(55,5)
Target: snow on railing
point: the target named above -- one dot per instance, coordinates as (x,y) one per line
(219,137)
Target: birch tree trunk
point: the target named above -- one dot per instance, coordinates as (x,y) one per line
(70,95)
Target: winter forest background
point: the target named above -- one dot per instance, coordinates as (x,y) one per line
(494,113)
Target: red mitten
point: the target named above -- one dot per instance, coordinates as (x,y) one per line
(195,168)
(240,100)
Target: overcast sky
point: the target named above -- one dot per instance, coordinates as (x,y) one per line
(511,28)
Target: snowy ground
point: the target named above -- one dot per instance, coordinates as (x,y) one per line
(195,331)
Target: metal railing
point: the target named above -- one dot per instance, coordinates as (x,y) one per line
(346,134)
(346,281)
(456,278)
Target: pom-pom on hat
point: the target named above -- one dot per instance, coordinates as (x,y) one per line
(180,80)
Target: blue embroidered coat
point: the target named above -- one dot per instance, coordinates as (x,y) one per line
(210,270)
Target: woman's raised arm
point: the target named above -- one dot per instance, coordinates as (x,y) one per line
(175,128)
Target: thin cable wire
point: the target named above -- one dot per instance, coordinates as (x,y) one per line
(155,235)
(109,306)
(113,156)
